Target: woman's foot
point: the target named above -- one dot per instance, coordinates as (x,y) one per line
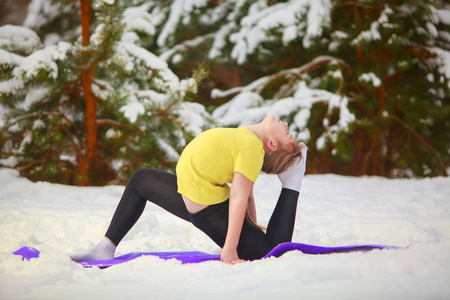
(292,177)
(102,251)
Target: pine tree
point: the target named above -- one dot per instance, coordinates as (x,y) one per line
(261,50)
(387,113)
(362,81)
(398,90)
(81,111)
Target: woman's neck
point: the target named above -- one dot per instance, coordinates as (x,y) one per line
(258,130)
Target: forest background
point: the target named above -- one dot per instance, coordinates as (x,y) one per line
(92,90)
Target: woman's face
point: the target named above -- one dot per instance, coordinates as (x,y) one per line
(278,131)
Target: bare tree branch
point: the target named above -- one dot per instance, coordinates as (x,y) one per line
(102,122)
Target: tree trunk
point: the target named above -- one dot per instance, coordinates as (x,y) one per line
(86,159)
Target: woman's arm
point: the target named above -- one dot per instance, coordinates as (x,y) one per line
(241,189)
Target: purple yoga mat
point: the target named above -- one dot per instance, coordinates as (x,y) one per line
(27,253)
(187,257)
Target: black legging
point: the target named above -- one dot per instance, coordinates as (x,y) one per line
(161,188)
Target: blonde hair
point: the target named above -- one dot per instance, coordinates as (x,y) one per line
(276,162)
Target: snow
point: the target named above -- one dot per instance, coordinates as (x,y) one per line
(38,124)
(38,95)
(109,2)
(11,86)
(7,58)
(248,107)
(333,210)
(445,56)
(132,109)
(3,111)
(171,154)
(154,97)
(43,60)
(193,117)
(179,10)
(41,11)
(233,110)
(138,19)
(373,33)
(443,15)
(27,139)
(149,59)
(166,87)
(14,37)
(370,78)
(281,16)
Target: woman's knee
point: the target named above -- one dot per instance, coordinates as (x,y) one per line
(141,175)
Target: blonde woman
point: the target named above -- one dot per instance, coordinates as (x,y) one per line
(199,192)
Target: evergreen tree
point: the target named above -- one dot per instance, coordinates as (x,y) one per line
(80,111)
(363,81)
(391,117)
(398,89)
(242,40)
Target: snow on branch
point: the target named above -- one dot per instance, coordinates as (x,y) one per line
(281,16)
(373,33)
(149,59)
(259,85)
(19,38)
(8,58)
(248,106)
(43,60)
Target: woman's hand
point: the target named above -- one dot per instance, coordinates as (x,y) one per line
(230,257)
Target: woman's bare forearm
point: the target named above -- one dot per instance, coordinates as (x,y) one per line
(241,189)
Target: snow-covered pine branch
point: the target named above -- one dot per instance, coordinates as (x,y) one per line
(248,105)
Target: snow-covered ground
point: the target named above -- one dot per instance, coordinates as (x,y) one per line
(333,210)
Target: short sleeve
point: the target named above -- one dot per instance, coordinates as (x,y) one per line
(249,161)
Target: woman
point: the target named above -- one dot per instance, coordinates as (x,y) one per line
(199,193)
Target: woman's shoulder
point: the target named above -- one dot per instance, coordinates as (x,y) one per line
(229,131)
(231,135)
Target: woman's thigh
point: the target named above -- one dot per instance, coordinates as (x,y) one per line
(160,188)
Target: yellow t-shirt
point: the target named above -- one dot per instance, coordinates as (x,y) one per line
(210,160)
